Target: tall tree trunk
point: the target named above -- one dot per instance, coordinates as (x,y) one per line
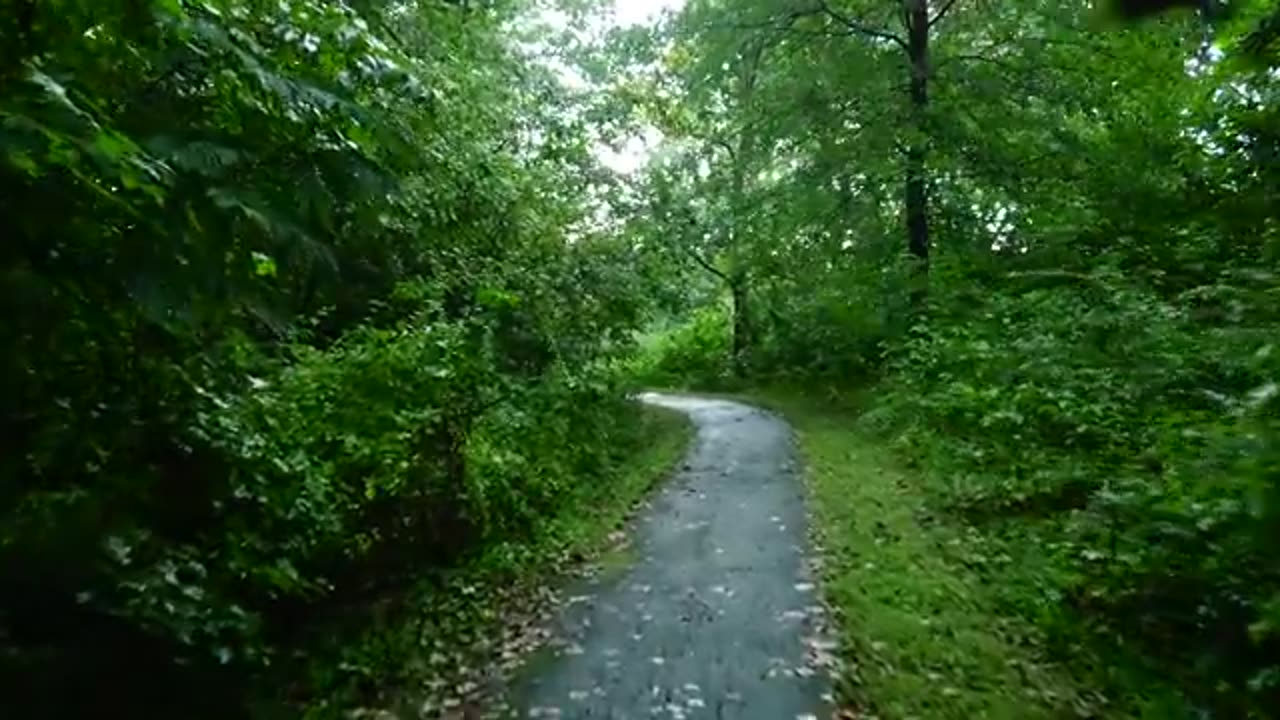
(743,161)
(917,187)
(740,289)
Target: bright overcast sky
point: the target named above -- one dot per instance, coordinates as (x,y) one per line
(622,13)
(636,149)
(631,12)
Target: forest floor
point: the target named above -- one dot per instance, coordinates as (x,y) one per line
(716,613)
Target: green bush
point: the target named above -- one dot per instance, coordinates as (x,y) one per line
(349,473)
(830,325)
(287,301)
(1133,448)
(695,354)
(1030,380)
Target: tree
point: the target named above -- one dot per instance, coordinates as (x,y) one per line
(286,279)
(1093,385)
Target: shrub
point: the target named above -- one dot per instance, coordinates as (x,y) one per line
(694,354)
(1136,449)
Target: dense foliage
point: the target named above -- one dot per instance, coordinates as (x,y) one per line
(302,302)
(1049,239)
(310,301)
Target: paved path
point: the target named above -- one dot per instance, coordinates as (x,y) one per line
(716,617)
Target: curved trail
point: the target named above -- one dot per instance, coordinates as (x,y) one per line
(716,616)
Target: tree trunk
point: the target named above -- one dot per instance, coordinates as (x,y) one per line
(743,161)
(740,290)
(917,188)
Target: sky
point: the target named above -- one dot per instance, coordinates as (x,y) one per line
(633,153)
(636,149)
(631,12)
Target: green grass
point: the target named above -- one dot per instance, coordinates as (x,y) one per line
(921,632)
(443,641)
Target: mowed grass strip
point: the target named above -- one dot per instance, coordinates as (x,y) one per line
(919,631)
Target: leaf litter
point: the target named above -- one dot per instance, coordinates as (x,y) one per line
(465,672)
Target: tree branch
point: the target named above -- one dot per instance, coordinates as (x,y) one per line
(722,143)
(977,57)
(786,22)
(1060,275)
(859,27)
(942,13)
(706,265)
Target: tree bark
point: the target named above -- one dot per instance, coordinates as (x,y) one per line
(743,160)
(740,290)
(917,185)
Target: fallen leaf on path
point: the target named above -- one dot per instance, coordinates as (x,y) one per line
(821,643)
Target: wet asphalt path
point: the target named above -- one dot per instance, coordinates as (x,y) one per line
(716,615)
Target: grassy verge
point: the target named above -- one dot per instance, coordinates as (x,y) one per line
(446,647)
(921,630)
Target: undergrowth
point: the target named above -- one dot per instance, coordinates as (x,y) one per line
(922,630)
(446,643)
